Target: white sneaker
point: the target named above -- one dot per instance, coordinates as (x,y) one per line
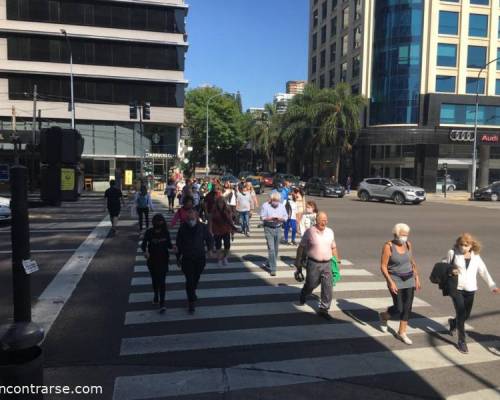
(383,323)
(404,338)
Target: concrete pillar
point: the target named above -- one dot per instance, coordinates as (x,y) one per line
(426,166)
(484,165)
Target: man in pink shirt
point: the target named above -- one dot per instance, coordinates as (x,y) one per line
(319,244)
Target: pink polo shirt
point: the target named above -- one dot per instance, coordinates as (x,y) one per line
(319,244)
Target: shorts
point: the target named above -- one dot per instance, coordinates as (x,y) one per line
(114,212)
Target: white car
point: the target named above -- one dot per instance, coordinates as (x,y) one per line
(5,214)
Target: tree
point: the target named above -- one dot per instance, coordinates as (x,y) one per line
(264,133)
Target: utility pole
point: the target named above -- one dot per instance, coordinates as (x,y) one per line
(33,141)
(141,124)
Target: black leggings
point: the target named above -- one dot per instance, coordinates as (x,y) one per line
(192,269)
(463,301)
(220,238)
(143,212)
(403,302)
(171,200)
(158,275)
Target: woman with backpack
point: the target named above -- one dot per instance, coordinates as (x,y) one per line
(400,271)
(466,262)
(143,204)
(222,227)
(156,245)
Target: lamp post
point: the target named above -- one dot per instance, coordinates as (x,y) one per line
(63,31)
(474,149)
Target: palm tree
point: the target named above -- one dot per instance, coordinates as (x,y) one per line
(264,134)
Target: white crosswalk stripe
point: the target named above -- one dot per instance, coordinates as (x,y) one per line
(233,299)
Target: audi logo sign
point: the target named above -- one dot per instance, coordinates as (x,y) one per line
(489,138)
(461,136)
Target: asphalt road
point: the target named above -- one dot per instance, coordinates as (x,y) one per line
(249,339)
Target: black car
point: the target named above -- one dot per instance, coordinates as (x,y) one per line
(324,187)
(490,192)
(281,178)
(230,178)
(257,185)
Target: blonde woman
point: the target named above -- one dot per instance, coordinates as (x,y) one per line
(465,258)
(400,271)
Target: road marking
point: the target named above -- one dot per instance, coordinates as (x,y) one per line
(483,394)
(43,251)
(266,290)
(258,309)
(267,336)
(60,289)
(296,371)
(230,265)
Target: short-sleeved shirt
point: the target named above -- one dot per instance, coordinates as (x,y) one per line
(113,195)
(268,211)
(319,244)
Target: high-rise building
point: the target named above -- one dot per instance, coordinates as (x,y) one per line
(295,87)
(123,52)
(417,62)
(281,101)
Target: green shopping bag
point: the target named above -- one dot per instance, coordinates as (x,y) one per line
(335,270)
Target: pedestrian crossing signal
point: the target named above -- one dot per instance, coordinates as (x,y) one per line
(146,111)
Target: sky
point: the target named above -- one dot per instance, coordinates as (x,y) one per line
(251,46)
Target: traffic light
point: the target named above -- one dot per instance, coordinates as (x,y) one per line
(133,110)
(146,111)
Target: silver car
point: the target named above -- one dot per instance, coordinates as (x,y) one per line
(5,214)
(397,190)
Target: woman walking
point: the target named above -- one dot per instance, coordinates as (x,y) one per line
(400,271)
(181,214)
(308,218)
(291,223)
(466,261)
(170,192)
(156,245)
(222,226)
(244,204)
(144,204)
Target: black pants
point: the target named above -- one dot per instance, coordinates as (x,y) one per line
(192,269)
(463,301)
(143,212)
(158,274)
(403,303)
(222,238)
(171,202)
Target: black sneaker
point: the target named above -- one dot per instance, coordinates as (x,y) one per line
(322,312)
(302,300)
(162,309)
(191,307)
(453,326)
(294,243)
(462,347)
(155,300)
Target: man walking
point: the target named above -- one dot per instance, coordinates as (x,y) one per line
(273,214)
(319,244)
(114,198)
(193,240)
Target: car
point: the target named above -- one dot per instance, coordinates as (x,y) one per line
(257,185)
(281,178)
(267,179)
(5,213)
(450,184)
(230,178)
(245,174)
(490,192)
(397,190)
(324,187)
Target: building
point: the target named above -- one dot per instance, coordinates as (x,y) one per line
(281,101)
(417,62)
(123,51)
(295,87)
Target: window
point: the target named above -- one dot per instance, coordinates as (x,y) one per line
(355,89)
(315,18)
(357,8)
(333,52)
(315,41)
(499,27)
(356,62)
(333,26)
(445,84)
(357,38)
(343,72)
(447,55)
(448,23)
(476,56)
(497,87)
(324,10)
(480,2)
(334,4)
(313,65)
(345,44)
(464,114)
(345,18)
(332,77)
(322,59)
(478,25)
(498,58)
(322,81)
(473,84)
(323,34)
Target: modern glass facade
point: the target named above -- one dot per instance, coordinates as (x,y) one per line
(464,114)
(396,73)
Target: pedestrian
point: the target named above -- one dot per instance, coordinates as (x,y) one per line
(466,260)
(210,198)
(291,223)
(229,195)
(114,200)
(318,243)
(300,199)
(244,204)
(348,184)
(143,203)
(222,226)
(181,214)
(180,188)
(308,219)
(400,271)
(273,215)
(170,192)
(156,245)
(193,241)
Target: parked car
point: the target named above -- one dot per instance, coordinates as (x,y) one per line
(257,185)
(397,190)
(324,187)
(267,179)
(490,192)
(450,184)
(281,178)
(5,214)
(230,178)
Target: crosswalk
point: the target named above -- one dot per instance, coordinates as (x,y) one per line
(242,307)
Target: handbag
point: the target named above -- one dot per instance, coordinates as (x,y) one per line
(335,270)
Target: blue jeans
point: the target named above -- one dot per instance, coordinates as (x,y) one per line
(291,223)
(273,236)
(244,220)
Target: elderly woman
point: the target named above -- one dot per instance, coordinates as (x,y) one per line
(400,271)
(465,258)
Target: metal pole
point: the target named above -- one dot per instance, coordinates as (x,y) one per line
(33,127)
(474,154)
(63,31)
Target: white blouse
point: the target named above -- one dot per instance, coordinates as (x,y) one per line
(467,277)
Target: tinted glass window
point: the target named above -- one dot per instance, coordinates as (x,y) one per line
(478,25)
(497,87)
(476,56)
(464,114)
(373,181)
(448,23)
(445,83)
(481,2)
(473,84)
(447,55)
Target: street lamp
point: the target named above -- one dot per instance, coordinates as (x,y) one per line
(63,31)
(206,144)
(474,149)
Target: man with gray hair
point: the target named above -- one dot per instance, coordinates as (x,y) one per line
(319,244)
(273,214)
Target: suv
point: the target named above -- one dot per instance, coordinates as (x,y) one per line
(324,187)
(490,192)
(398,190)
(450,184)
